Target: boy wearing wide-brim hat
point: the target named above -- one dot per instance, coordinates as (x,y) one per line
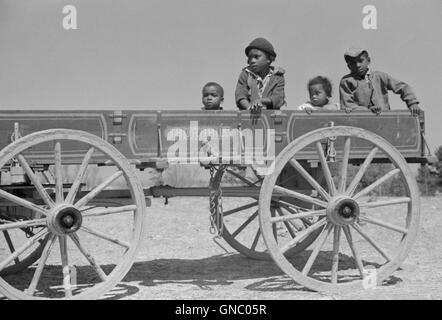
(364,89)
(260,84)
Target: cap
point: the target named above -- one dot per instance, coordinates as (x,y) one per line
(354,52)
(261,44)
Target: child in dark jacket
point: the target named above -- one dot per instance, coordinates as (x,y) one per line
(364,89)
(260,84)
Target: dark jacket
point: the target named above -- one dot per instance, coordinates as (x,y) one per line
(357,93)
(247,88)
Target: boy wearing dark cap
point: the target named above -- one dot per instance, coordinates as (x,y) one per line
(260,84)
(364,89)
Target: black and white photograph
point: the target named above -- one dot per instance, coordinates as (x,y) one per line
(233,151)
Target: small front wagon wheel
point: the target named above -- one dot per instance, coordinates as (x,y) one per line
(365,236)
(89,248)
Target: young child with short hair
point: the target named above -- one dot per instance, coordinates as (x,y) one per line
(260,84)
(212,96)
(364,89)
(320,92)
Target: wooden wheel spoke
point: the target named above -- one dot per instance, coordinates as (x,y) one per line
(81,172)
(308,214)
(327,174)
(275,234)
(291,225)
(10,244)
(318,246)
(335,255)
(353,250)
(37,184)
(106,237)
(58,173)
(292,208)
(377,183)
(22,249)
(95,212)
(344,167)
(246,181)
(255,240)
(309,179)
(286,179)
(300,196)
(384,203)
(301,235)
(22,224)
(354,184)
(384,224)
(89,257)
(41,264)
(372,242)
(94,192)
(22,202)
(245,207)
(245,224)
(65,266)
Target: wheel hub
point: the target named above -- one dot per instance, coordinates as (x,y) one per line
(64,219)
(343,210)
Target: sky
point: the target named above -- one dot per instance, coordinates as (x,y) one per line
(157,54)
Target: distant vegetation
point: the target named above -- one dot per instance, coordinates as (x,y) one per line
(429,177)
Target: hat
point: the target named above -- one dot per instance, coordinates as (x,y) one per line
(261,44)
(354,52)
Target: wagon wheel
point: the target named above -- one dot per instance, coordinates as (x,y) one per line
(89,249)
(364,241)
(240,216)
(21,263)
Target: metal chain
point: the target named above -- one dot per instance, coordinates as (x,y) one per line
(331,151)
(215,201)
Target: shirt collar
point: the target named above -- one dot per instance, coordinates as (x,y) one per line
(271,71)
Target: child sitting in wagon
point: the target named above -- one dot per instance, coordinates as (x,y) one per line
(260,84)
(364,89)
(213,96)
(320,92)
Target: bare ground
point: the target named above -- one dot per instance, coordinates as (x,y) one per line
(179,260)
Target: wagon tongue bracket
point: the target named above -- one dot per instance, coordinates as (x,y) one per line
(64,220)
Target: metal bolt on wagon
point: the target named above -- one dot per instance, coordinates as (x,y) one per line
(312,210)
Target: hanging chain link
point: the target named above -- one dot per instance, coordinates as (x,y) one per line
(216,200)
(331,151)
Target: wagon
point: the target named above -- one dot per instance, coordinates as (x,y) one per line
(303,200)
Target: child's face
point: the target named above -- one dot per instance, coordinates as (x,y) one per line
(258,61)
(359,65)
(211,98)
(318,96)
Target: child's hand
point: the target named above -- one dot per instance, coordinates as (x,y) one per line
(308,109)
(257,106)
(415,110)
(375,109)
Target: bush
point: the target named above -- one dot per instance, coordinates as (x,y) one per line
(427,181)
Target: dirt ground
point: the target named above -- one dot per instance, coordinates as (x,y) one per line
(179,260)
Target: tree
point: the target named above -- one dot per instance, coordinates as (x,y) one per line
(426,180)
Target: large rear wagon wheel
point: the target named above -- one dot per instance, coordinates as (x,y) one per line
(89,249)
(364,240)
